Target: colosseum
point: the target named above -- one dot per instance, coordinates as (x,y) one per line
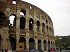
(24,26)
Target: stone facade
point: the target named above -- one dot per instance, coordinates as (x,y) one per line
(32,28)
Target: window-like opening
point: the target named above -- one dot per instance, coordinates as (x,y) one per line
(38,26)
(39,45)
(31,22)
(45,45)
(12,19)
(30,7)
(31,44)
(23,40)
(46,21)
(14,1)
(22,22)
(2,15)
(43,27)
(48,45)
(22,12)
(13,42)
(47,28)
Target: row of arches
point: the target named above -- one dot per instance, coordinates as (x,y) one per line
(32,44)
(23,40)
(13,17)
(31,24)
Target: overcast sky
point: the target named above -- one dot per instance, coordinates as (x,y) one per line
(59,11)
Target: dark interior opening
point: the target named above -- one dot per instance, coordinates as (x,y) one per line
(39,45)
(38,25)
(31,24)
(31,43)
(22,39)
(43,27)
(46,21)
(20,46)
(45,44)
(2,15)
(13,43)
(48,45)
(22,23)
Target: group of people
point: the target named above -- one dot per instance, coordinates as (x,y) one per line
(52,50)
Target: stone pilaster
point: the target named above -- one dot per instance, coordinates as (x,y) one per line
(50,44)
(40,24)
(5,36)
(36,44)
(42,45)
(27,43)
(47,45)
(27,19)
(17,28)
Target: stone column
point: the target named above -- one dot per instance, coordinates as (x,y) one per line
(27,19)
(5,35)
(50,44)
(42,45)
(40,24)
(36,44)
(17,28)
(35,21)
(47,45)
(27,43)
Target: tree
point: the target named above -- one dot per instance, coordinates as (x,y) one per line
(62,41)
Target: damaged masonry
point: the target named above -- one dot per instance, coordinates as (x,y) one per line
(24,26)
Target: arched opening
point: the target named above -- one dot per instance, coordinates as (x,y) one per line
(12,19)
(46,21)
(48,45)
(22,12)
(22,40)
(22,22)
(39,45)
(13,42)
(43,27)
(51,44)
(38,26)
(14,1)
(2,15)
(31,22)
(47,28)
(0,41)
(31,44)
(45,45)
(30,7)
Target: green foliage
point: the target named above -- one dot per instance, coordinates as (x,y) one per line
(62,41)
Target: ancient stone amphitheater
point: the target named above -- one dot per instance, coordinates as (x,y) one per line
(24,26)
